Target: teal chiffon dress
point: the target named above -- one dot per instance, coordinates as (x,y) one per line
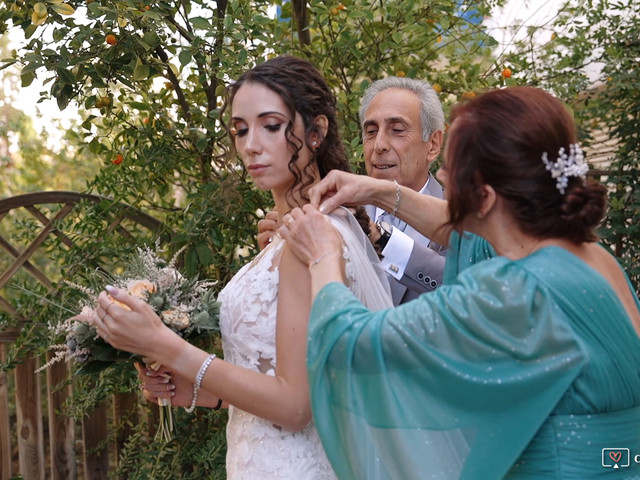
(525,369)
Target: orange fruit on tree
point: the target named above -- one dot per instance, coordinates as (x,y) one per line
(468,95)
(437,87)
(506,72)
(334,11)
(401,74)
(118,160)
(111,39)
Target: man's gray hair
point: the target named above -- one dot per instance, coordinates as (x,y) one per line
(431,113)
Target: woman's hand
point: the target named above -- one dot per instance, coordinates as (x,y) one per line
(309,234)
(312,238)
(341,188)
(127,323)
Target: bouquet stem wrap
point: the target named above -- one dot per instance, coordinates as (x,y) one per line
(167,426)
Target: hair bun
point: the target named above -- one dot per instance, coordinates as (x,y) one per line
(584,207)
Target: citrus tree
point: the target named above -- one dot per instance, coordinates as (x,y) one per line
(149,78)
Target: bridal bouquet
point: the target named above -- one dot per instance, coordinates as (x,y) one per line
(186,305)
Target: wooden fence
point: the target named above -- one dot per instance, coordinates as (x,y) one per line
(68,457)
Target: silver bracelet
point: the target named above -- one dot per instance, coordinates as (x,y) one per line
(196,385)
(398,197)
(321,257)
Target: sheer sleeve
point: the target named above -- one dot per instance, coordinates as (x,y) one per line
(465,250)
(365,276)
(451,385)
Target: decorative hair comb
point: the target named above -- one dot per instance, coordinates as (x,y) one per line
(572,165)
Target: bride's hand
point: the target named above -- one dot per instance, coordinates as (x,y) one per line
(162,383)
(127,323)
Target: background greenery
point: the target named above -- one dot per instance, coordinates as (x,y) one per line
(153,93)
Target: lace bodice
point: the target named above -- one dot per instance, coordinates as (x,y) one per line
(257,449)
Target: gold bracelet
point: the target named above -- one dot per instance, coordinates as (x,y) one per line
(398,198)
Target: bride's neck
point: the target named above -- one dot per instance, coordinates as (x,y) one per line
(287,200)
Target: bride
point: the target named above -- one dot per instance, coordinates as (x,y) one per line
(283,126)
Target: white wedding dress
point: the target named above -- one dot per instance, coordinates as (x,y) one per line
(256,448)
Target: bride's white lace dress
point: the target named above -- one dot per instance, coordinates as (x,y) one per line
(256,448)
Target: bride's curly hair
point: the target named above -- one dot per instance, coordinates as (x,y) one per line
(305,92)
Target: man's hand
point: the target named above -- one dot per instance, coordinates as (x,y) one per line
(267,229)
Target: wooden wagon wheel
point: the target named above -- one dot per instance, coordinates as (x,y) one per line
(30,436)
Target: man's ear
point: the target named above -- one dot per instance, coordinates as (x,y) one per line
(320,129)
(435,144)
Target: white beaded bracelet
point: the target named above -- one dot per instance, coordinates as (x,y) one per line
(196,385)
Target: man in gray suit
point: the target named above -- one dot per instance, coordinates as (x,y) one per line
(402,132)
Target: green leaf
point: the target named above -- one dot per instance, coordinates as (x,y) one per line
(26,79)
(63,9)
(216,237)
(242,56)
(191,262)
(152,15)
(204,254)
(201,23)
(94,146)
(141,72)
(140,106)
(29,31)
(65,75)
(185,57)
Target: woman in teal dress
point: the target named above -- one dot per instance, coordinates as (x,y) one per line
(526,363)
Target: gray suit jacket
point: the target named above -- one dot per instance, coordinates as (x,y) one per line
(423,272)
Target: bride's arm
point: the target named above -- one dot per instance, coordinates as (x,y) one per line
(282,399)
